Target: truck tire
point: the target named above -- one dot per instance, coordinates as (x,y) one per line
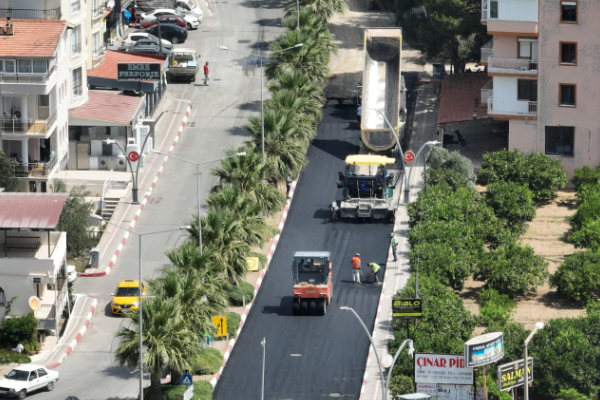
(303,307)
(312,307)
(295,307)
(322,307)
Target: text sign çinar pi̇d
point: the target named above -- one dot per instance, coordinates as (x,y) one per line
(138,71)
(513,374)
(442,368)
(407,308)
(484,349)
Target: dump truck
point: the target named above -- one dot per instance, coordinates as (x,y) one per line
(313,277)
(367,188)
(382,90)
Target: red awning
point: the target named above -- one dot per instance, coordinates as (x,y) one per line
(31,210)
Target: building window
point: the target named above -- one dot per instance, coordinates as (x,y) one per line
(77,82)
(560,140)
(2,298)
(7,66)
(494,9)
(527,89)
(76,39)
(75,6)
(568,12)
(24,67)
(568,53)
(40,66)
(567,95)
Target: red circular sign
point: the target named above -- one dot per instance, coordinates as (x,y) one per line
(409,156)
(134,156)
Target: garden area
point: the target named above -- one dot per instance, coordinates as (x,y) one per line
(499,251)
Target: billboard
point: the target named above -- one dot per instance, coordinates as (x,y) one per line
(484,349)
(138,71)
(513,374)
(442,368)
(407,308)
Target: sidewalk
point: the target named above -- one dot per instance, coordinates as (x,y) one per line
(398,273)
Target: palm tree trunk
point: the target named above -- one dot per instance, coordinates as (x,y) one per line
(155,389)
(175,377)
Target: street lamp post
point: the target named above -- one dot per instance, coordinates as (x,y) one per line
(198,183)
(407,189)
(264,346)
(297,15)
(140,236)
(538,326)
(262,107)
(385,362)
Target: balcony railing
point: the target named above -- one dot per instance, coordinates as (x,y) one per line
(515,66)
(512,107)
(30,14)
(35,169)
(487,51)
(30,77)
(15,125)
(486,92)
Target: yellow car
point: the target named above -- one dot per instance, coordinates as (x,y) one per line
(127,297)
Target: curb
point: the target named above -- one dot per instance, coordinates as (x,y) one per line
(113,259)
(77,338)
(261,276)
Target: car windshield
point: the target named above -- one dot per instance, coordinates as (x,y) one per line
(127,291)
(183,57)
(18,375)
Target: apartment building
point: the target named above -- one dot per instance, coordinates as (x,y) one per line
(34,77)
(544,62)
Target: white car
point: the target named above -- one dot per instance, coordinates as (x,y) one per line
(189,7)
(27,378)
(191,21)
(71,273)
(133,37)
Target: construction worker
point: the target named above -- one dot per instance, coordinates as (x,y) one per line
(394,246)
(356,268)
(375,268)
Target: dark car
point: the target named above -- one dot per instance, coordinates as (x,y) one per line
(174,33)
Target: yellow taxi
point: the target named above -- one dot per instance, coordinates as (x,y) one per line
(127,297)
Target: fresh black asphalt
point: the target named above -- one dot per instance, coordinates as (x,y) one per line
(312,357)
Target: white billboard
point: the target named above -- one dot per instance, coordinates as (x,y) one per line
(442,368)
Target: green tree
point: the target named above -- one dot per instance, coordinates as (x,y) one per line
(167,341)
(453,179)
(310,59)
(19,329)
(8,181)
(578,277)
(586,176)
(512,269)
(442,159)
(449,262)
(314,25)
(74,221)
(571,394)
(496,310)
(512,203)
(301,84)
(324,9)
(306,109)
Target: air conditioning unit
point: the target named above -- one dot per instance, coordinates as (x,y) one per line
(121,163)
(103,162)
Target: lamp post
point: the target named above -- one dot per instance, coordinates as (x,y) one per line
(538,326)
(297,15)
(407,189)
(198,183)
(262,106)
(264,346)
(140,236)
(387,361)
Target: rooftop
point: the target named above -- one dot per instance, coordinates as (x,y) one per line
(108,69)
(108,106)
(31,210)
(32,38)
(460,99)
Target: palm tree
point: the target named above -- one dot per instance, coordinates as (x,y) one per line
(246,174)
(284,123)
(322,8)
(310,59)
(301,84)
(167,339)
(287,99)
(315,26)
(246,209)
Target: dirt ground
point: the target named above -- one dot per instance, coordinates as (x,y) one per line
(546,235)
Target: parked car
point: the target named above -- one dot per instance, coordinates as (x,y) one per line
(174,33)
(127,297)
(189,7)
(145,46)
(164,20)
(191,21)
(27,378)
(141,34)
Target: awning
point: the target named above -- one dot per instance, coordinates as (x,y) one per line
(31,210)
(108,109)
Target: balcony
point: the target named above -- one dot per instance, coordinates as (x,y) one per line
(510,17)
(35,169)
(97,11)
(512,66)
(52,305)
(487,51)
(514,108)
(486,92)
(17,126)
(27,77)
(30,14)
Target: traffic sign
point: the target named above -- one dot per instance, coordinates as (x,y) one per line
(252,263)
(186,379)
(133,156)
(409,156)
(220,321)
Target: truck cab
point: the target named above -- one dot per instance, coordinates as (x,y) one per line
(312,282)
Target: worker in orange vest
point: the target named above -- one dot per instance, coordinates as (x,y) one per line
(356,271)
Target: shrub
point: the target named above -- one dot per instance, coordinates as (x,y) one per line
(588,210)
(496,310)
(587,235)
(238,291)
(586,175)
(451,178)
(233,323)
(207,362)
(202,391)
(511,203)
(401,384)
(451,266)
(513,270)
(8,357)
(440,158)
(578,277)
(571,394)
(19,329)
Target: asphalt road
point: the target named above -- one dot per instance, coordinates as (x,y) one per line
(310,357)
(219,111)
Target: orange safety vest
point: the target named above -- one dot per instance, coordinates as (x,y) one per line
(355,262)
